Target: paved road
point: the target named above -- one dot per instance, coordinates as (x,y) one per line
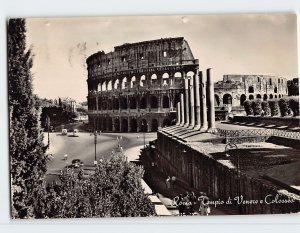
(83,147)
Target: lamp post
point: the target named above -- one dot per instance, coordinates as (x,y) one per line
(95,142)
(145,127)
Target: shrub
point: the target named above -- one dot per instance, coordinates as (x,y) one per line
(274,107)
(283,107)
(294,105)
(256,106)
(266,108)
(248,107)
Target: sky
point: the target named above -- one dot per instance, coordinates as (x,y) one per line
(229,43)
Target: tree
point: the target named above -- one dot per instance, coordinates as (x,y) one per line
(113,190)
(27,159)
(294,105)
(266,108)
(256,106)
(274,107)
(248,107)
(283,107)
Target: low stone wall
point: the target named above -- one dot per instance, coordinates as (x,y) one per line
(291,122)
(220,182)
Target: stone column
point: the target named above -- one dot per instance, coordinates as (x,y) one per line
(113,125)
(181,109)
(120,124)
(204,124)
(197,99)
(211,101)
(187,102)
(178,113)
(192,102)
(129,125)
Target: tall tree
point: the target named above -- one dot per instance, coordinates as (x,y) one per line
(27,159)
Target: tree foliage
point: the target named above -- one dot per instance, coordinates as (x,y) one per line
(266,108)
(294,105)
(256,106)
(274,107)
(248,107)
(114,190)
(27,160)
(283,107)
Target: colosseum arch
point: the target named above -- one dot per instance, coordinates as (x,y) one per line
(109,85)
(178,75)
(132,102)
(154,125)
(116,104)
(109,104)
(109,124)
(133,125)
(279,96)
(242,99)
(117,124)
(154,102)
(176,99)
(124,83)
(103,86)
(116,84)
(142,80)
(124,125)
(275,96)
(104,124)
(217,100)
(99,87)
(265,97)
(251,89)
(271,96)
(251,97)
(190,74)
(123,102)
(143,125)
(104,105)
(132,81)
(143,103)
(227,99)
(275,89)
(166,103)
(258,96)
(153,78)
(165,79)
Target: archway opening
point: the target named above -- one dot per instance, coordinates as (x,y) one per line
(166,103)
(143,102)
(251,89)
(117,125)
(154,102)
(258,96)
(166,122)
(116,104)
(124,125)
(217,100)
(265,97)
(227,99)
(143,125)
(251,97)
(132,103)
(123,101)
(109,124)
(242,100)
(271,96)
(133,125)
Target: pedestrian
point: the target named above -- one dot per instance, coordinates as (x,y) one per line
(168,182)
(180,205)
(204,208)
(187,204)
(65,156)
(193,200)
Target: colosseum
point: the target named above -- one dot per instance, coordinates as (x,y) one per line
(235,89)
(137,86)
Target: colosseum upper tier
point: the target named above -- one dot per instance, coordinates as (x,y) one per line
(137,86)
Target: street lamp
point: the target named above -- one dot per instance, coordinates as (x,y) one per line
(95,142)
(144,130)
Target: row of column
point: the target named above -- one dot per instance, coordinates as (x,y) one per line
(192,110)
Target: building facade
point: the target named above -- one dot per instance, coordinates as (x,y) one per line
(137,86)
(235,89)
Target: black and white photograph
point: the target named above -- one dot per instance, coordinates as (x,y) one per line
(153,116)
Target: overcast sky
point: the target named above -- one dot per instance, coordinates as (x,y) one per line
(230,44)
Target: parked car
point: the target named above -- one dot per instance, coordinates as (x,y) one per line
(75,133)
(64,132)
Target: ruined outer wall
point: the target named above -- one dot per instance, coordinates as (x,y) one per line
(208,175)
(137,86)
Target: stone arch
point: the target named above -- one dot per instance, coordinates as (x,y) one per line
(144,125)
(132,101)
(251,97)
(143,104)
(103,86)
(109,104)
(124,125)
(251,89)
(265,97)
(133,125)
(124,83)
(165,79)
(99,87)
(109,85)
(271,96)
(279,96)
(142,80)
(166,122)
(116,84)
(109,124)
(178,75)
(166,103)
(242,99)
(154,125)
(190,74)
(275,89)
(275,96)
(123,102)
(217,100)
(117,124)
(258,96)
(116,104)
(153,78)
(154,102)
(132,81)
(104,124)
(104,105)
(227,99)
